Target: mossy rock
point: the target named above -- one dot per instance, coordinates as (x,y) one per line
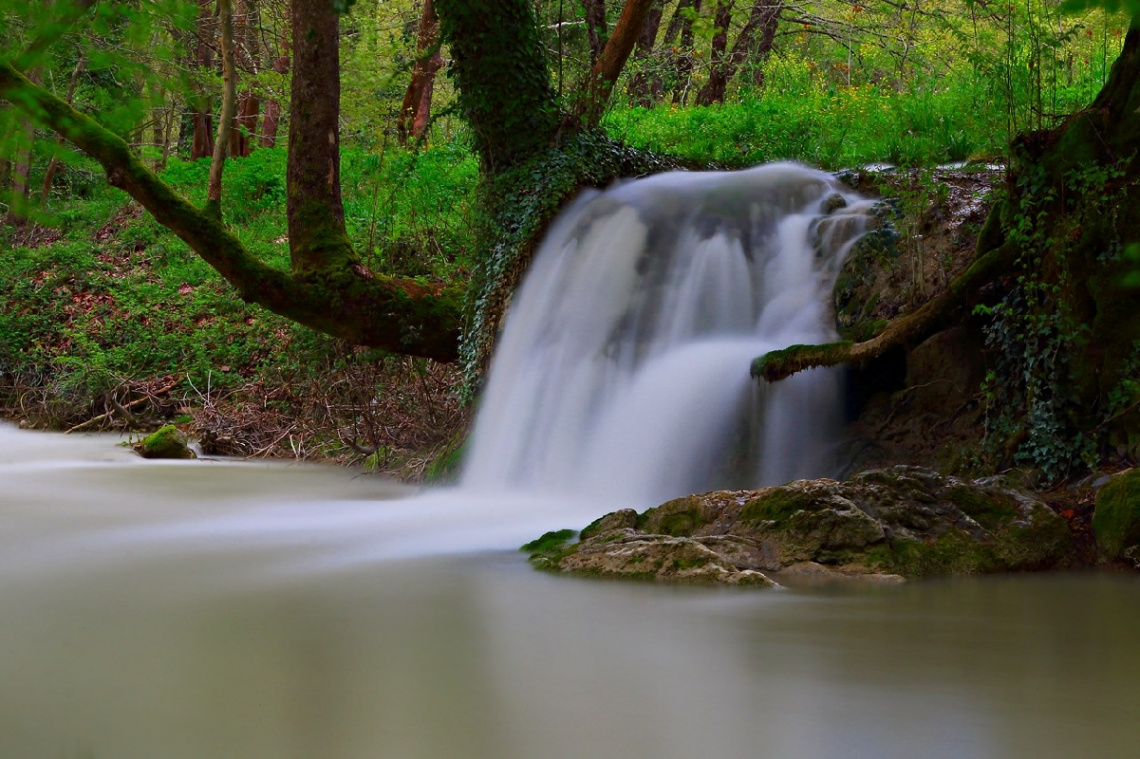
(902,521)
(1116,520)
(547,551)
(166,443)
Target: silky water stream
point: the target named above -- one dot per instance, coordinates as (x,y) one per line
(215,609)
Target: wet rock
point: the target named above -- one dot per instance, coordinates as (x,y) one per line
(1116,520)
(166,443)
(882,524)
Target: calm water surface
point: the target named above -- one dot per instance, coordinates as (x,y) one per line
(215,610)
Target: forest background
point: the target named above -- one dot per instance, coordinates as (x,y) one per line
(108,320)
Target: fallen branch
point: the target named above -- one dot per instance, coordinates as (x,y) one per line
(908,328)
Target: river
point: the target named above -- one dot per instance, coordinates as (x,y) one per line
(170,610)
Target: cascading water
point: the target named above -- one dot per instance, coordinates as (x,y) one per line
(623,368)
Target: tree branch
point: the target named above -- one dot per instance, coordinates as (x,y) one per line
(403,316)
(779,364)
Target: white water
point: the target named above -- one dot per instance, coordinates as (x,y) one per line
(622,372)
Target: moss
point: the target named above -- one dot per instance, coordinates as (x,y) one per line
(1116,520)
(953,552)
(550,542)
(166,443)
(677,518)
(781,363)
(548,551)
(991,511)
(777,505)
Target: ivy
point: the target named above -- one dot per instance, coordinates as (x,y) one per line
(1039,330)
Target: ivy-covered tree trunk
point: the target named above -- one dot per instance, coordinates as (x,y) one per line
(499,68)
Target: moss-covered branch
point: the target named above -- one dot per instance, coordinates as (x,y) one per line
(905,329)
(348,302)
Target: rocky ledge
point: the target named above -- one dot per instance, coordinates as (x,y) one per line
(881,525)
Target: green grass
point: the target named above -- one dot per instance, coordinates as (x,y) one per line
(834,127)
(110,296)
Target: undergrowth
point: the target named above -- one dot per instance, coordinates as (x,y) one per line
(107,320)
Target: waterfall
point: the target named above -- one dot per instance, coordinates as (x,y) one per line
(623,368)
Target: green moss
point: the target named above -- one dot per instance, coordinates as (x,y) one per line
(683,564)
(954,552)
(550,541)
(166,443)
(548,551)
(990,511)
(777,505)
(1116,520)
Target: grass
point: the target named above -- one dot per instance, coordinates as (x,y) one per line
(797,117)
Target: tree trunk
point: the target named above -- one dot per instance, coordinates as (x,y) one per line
(22,165)
(243,136)
(605,73)
(314,210)
(53,164)
(679,38)
(499,68)
(754,41)
(203,144)
(645,86)
(713,91)
(595,28)
(416,107)
(229,106)
(272,106)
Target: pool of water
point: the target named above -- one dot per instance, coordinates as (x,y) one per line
(219,609)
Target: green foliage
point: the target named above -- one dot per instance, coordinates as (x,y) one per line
(1038,331)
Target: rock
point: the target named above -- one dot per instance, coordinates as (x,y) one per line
(166,443)
(882,525)
(1116,520)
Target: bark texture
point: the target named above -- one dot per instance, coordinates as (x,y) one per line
(415,112)
(314,208)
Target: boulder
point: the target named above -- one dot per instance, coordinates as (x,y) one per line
(1116,520)
(882,524)
(165,443)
